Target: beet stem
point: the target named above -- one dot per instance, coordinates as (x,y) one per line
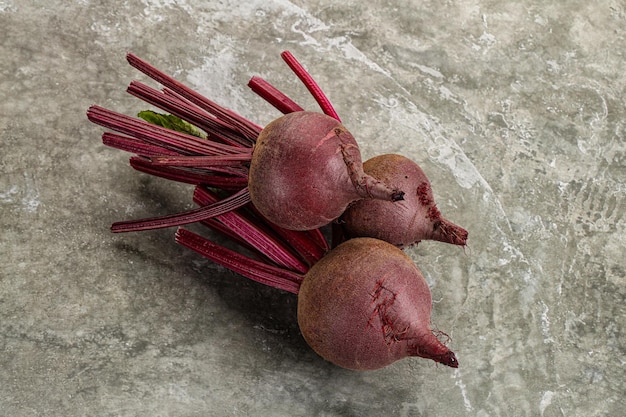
(225,179)
(179,106)
(318,237)
(182,143)
(233,202)
(309,244)
(310,84)
(246,127)
(273,96)
(133,145)
(257,271)
(261,240)
(200,161)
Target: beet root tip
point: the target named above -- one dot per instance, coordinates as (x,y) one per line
(449,232)
(448,359)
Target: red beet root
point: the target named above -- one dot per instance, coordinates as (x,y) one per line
(362,306)
(366,305)
(406,222)
(306,168)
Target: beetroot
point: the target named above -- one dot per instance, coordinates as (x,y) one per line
(362,306)
(406,222)
(366,305)
(306,168)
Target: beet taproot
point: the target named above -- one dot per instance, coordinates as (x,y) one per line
(366,305)
(406,222)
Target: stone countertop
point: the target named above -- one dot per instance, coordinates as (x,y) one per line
(515,110)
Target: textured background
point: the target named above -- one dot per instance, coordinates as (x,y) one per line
(514,109)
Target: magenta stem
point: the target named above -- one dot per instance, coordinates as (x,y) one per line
(177,105)
(311,244)
(232,181)
(260,239)
(233,202)
(304,244)
(310,84)
(200,161)
(182,143)
(255,270)
(244,126)
(273,96)
(133,145)
(318,237)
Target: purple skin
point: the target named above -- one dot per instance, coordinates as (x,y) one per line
(407,222)
(366,305)
(305,170)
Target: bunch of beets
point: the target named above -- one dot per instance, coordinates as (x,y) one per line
(362,302)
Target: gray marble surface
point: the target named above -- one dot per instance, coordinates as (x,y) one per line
(516,110)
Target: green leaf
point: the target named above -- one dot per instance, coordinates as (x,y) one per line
(172,122)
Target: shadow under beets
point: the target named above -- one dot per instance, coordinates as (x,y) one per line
(268,309)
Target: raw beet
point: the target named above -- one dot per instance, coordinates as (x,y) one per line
(306,168)
(366,305)
(406,222)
